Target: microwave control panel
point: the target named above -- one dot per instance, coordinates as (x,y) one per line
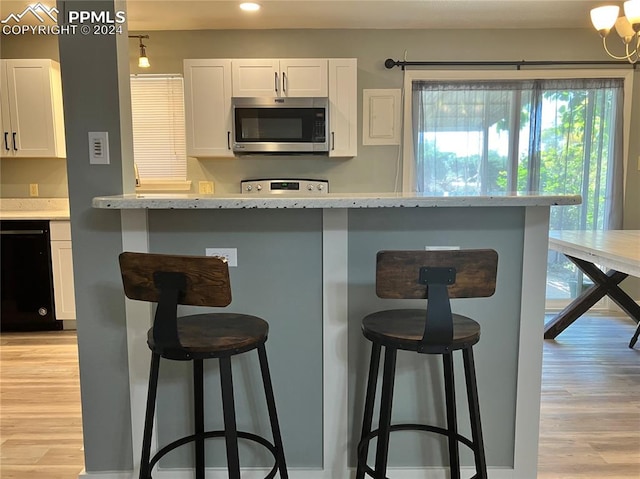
(291,187)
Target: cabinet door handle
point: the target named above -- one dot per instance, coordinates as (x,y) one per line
(228,140)
(6,140)
(333,140)
(284,82)
(14,141)
(276,81)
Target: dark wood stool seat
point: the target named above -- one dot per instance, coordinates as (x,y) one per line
(404,328)
(214,335)
(169,281)
(436,276)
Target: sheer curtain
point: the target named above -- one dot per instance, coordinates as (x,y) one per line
(561,136)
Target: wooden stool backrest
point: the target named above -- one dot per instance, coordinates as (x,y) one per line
(397,272)
(436,276)
(207,278)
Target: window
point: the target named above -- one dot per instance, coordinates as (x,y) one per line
(159,147)
(557,136)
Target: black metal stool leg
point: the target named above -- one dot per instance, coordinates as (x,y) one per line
(145,470)
(452,420)
(384,426)
(474,413)
(273,415)
(369,404)
(230,429)
(632,343)
(198,408)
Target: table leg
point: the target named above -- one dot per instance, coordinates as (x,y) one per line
(604,284)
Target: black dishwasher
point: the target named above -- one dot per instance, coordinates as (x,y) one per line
(26,283)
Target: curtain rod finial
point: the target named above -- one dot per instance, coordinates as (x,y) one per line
(390,63)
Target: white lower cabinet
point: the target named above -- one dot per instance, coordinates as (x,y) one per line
(62,265)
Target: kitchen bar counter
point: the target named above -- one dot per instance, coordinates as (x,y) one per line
(307,265)
(331,200)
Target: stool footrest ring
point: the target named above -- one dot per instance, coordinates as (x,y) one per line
(363,445)
(212,434)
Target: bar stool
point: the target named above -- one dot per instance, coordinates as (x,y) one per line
(437,275)
(198,281)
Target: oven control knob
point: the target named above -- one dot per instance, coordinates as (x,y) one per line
(259,187)
(310,187)
(249,187)
(320,187)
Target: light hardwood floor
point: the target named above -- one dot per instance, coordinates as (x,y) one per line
(590,427)
(590,411)
(40,418)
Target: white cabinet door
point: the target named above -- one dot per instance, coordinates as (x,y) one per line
(280,78)
(7,145)
(32,96)
(304,77)
(256,77)
(343,107)
(62,266)
(207,92)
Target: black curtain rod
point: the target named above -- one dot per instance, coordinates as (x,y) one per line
(390,63)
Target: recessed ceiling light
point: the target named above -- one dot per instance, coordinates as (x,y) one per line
(250,6)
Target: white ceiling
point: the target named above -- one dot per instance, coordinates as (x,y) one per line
(148,15)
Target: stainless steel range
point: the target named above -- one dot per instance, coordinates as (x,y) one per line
(288,187)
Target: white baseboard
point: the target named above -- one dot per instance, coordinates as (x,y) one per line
(396,473)
(106,475)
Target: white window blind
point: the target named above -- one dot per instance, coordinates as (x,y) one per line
(157,106)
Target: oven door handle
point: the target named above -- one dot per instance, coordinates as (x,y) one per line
(22,232)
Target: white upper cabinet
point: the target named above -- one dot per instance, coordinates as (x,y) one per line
(207,92)
(32,115)
(305,77)
(209,85)
(343,107)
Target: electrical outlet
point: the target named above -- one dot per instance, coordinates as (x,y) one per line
(205,187)
(33,189)
(229,254)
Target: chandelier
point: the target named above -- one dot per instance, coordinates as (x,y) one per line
(627,26)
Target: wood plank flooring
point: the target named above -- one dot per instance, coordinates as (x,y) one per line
(590,426)
(40,417)
(590,411)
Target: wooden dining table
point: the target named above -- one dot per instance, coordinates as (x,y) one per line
(617,250)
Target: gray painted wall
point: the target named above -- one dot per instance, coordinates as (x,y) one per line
(91,98)
(419,391)
(279,278)
(91,103)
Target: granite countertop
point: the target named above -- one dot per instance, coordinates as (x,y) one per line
(331,200)
(34,208)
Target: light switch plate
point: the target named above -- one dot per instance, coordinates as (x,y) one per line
(98,148)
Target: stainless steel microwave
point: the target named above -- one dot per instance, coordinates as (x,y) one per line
(280,125)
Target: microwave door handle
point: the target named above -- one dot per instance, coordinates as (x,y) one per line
(333,140)
(275,75)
